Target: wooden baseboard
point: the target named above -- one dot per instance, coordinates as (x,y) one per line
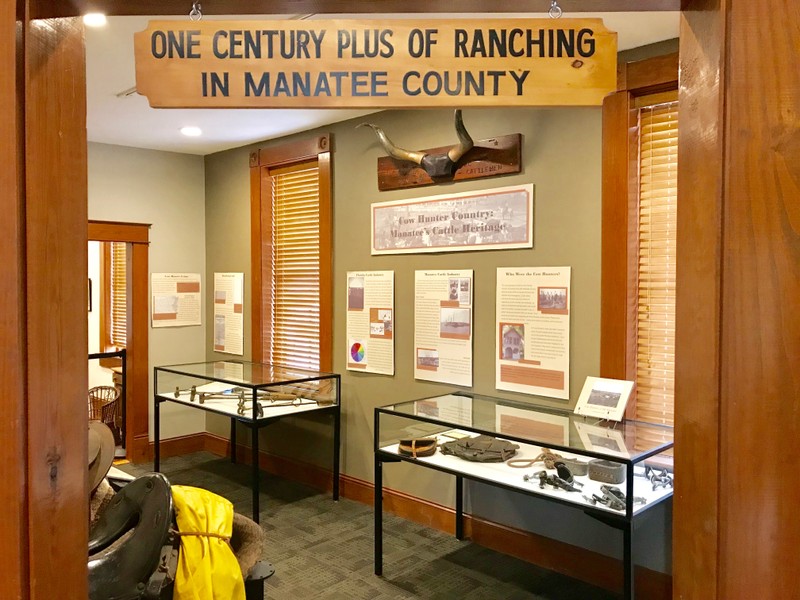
(295,470)
(176,446)
(139,449)
(573,561)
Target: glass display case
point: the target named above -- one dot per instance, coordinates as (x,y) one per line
(250,394)
(612,471)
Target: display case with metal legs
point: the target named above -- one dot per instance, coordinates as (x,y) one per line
(253,395)
(613,472)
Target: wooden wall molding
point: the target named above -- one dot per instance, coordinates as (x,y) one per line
(698,308)
(619,247)
(738,327)
(573,561)
(137,403)
(62,8)
(115,231)
(177,446)
(13,358)
(53,407)
(650,75)
(736,67)
(312,148)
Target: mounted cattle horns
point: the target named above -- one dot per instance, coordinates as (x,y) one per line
(435,165)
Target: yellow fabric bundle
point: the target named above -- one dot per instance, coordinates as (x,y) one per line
(207,567)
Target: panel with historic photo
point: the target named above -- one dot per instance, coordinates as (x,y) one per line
(604,398)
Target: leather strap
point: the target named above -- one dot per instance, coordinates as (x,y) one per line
(417,447)
(548,457)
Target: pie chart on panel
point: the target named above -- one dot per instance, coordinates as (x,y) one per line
(357,352)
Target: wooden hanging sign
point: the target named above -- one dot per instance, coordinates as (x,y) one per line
(375,64)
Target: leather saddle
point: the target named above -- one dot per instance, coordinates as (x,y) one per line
(131,548)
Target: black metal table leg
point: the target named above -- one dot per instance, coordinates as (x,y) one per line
(378,512)
(256,476)
(156,433)
(459,507)
(233,440)
(336,444)
(627,560)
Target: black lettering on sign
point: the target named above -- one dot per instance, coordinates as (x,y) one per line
(421,41)
(502,43)
(459,83)
(174,44)
(213,85)
(326,83)
(267,43)
(368,43)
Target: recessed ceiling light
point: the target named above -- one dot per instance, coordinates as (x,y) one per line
(191,131)
(94,19)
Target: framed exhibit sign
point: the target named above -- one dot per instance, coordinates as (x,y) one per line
(494,219)
(604,398)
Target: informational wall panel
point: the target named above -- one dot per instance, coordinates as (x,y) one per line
(443,326)
(532,329)
(370,321)
(176,300)
(229,313)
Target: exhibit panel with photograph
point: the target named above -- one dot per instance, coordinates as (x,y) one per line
(604,398)
(229,313)
(532,324)
(370,322)
(176,300)
(443,326)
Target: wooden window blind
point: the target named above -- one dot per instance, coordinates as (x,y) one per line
(655,295)
(295,267)
(114,291)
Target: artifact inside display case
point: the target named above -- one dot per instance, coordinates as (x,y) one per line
(599,465)
(244,389)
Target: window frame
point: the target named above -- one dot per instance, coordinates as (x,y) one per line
(262,162)
(620,199)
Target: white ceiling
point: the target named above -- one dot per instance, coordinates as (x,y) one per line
(129,120)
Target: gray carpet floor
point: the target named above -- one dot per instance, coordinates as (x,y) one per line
(324,549)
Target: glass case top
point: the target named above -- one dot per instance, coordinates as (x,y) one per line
(557,428)
(245,373)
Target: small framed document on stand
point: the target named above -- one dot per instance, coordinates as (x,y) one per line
(604,398)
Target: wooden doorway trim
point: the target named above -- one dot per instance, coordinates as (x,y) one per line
(137,403)
(732,367)
(43,299)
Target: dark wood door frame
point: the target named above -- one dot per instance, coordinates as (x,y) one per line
(738,330)
(136,235)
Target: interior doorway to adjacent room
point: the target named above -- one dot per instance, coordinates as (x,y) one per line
(117,319)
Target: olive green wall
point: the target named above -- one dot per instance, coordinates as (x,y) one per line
(561,157)
(165,190)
